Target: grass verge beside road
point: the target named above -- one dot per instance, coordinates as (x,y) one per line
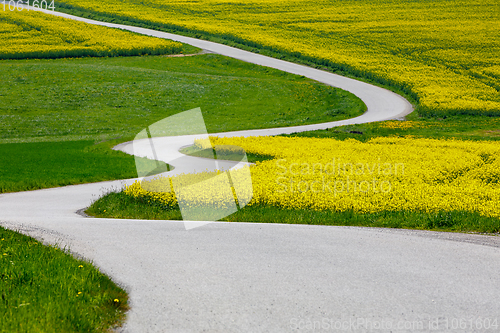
(456,127)
(44,289)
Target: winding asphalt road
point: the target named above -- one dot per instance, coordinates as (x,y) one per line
(243,277)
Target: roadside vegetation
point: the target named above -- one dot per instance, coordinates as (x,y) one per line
(44,289)
(123,206)
(454,188)
(475,128)
(35,165)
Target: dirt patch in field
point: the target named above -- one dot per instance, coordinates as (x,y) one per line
(187,55)
(491,132)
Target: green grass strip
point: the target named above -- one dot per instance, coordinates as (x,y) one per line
(455,127)
(44,289)
(29,166)
(120,205)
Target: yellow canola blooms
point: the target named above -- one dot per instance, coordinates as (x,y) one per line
(32,34)
(197,190)
(407,124)
(383,174)
(396,124)
(445,53)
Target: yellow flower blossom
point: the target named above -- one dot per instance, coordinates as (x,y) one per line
(383,174)
(31,34)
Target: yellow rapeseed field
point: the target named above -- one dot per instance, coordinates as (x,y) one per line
(32,34)
(383,174)
(446,53)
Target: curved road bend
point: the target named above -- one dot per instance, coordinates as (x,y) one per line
(244,277)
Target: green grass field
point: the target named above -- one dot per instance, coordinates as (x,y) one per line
(35,165)
(103,98)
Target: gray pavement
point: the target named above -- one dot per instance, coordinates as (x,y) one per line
(243,277)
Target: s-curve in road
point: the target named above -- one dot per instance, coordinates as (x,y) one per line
(382,104)
(243,277)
